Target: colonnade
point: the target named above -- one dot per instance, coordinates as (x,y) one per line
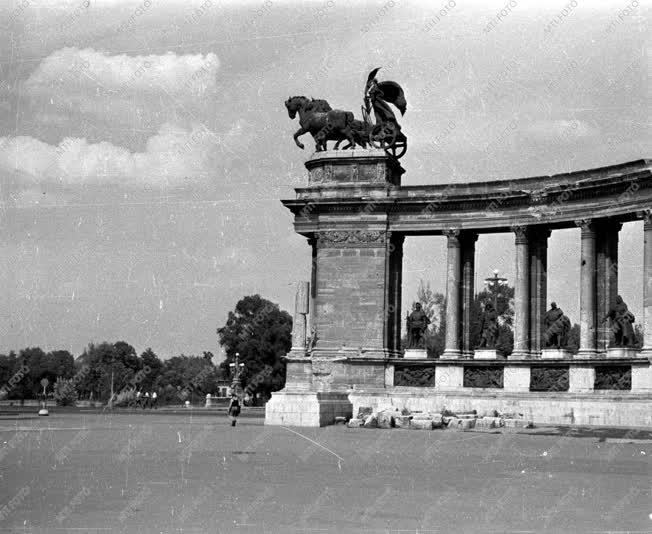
(598,287)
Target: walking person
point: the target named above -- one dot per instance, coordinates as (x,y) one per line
(146,400)
(234,409)
(154,399)
(138,399)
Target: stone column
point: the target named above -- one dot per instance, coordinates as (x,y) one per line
(453,279)
(521,295)
(393,273)
(299,323)
(607,278)
(587,290)
(538,289)
(467,240)
(647,283)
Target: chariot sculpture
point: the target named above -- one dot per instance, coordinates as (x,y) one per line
(324,123)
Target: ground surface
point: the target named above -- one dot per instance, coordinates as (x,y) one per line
(162,472)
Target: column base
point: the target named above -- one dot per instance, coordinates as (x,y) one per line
(646,352)
(519,355)
(585,354)
(451,355)
(310,408)
(556,354)
(415,354)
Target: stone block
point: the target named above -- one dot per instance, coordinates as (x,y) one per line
(517,423)
(385,419)
(364,412)
(421,424)
(402,421)
(355,423)
(486,354)
(487,422)
(580,378)
(371,421)
(516,378)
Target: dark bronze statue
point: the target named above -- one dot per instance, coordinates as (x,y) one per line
(557,327)
(488,327)
(417,324)
(317,118)
(621,320)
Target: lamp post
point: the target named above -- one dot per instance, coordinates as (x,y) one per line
(493,283)
(236,370)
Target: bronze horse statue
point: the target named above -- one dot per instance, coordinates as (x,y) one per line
(324,123)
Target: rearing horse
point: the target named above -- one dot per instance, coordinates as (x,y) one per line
(317,118)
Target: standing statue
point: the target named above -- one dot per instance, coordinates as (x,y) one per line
(417,324)
(621,320)
(324,123)
(557,327)
(489,327)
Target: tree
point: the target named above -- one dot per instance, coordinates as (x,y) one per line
(64,392)
(153,365)
(502,297)
(262,334)
(434,305)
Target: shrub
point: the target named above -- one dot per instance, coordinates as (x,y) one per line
(65,392)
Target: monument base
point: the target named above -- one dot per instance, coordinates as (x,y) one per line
(415,354)
(556,354)
(307,408)
(621,352)
(487,354)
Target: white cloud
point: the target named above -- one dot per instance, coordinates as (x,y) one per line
(81,70)
(174,156)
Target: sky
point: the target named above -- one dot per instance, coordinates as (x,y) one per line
(145,147)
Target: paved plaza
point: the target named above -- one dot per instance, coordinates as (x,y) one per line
(190,473)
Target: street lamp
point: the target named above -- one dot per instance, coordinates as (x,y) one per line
(493,283)
(236,370)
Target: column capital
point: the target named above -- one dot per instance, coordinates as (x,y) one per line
(453,235)
(522,234)
(587,226)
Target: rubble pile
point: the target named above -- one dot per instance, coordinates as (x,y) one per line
(416,420)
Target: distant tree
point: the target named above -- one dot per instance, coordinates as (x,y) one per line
(191,376)
(208,356)
(502,296)
(262,334)
(638,336)
(65,393)
(149,361)
(434,305)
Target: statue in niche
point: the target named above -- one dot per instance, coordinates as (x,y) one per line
(489,327)
(557,327)
(621,320)
(417,324)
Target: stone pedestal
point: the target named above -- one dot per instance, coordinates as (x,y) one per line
(415,354)
(449,377)
(642,378)
(622,352)
(487,354)
(306,408)
(581,379)
(556,354)
(516,378)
